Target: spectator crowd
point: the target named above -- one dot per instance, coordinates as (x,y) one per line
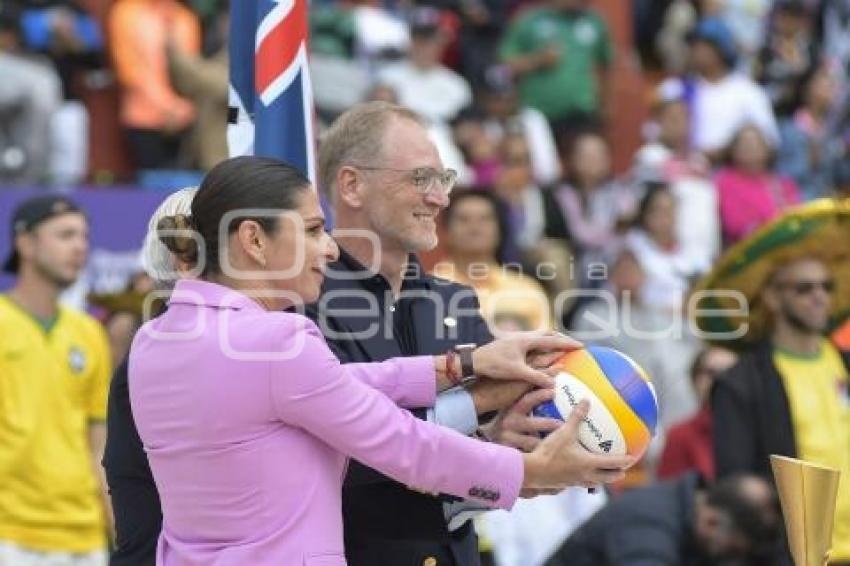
(747,108)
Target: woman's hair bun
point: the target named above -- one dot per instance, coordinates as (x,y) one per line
(179,235)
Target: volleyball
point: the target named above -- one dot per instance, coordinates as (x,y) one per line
(623,406)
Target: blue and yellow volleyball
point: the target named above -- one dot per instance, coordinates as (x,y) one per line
(623,412)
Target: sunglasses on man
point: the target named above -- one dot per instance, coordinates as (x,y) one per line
(807,287)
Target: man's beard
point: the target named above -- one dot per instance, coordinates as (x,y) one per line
(799,324)
(53,277)
(402,237)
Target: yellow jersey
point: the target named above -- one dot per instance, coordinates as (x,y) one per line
(53,382)
(820,412)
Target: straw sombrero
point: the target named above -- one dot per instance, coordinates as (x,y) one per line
(819,229)
(131,302)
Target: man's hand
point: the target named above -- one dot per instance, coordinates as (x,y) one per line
(97,444)
(543,360)
(506,358)
(490,395)
(548,57)
(517,428)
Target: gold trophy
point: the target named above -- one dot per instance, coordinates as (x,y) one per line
(807,493)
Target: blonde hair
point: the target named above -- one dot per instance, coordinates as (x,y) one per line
(157,260)
(357,137)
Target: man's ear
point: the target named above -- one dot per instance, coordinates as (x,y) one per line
(349,188)
(25,244)
(770,297)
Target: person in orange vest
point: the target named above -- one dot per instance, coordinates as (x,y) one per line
(153,115)
(841,337)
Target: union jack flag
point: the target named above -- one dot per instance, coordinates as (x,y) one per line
(271,101)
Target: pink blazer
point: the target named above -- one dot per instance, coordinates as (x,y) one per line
(248,419)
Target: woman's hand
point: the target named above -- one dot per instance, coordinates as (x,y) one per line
(508,358)
(560,461)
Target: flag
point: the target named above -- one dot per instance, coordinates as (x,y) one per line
(271,101)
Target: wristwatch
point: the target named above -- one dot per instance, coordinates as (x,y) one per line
(467,371)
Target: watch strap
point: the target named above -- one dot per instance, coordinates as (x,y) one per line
(464,352)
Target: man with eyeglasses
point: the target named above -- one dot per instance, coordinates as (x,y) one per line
(388,186)
(789,395)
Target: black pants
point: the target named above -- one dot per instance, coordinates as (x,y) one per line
(153,149)
(461,550)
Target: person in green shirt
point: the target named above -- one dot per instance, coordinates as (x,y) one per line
(560,53)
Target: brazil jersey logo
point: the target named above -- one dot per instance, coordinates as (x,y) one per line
(76,360)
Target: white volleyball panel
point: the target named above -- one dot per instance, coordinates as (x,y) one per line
(599,432)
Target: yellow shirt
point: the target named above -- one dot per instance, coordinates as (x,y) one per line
(820,413)
(509,300)
(52,383)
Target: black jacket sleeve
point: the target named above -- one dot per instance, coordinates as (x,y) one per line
(556,223)
(138,522)
(735,423)
(135,500)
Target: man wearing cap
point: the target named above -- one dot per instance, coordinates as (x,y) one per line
(721,100)
(505,115)
(30,97)
(422,83)
(789,395)
(54,376)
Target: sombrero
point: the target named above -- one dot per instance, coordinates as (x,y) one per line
(819,229)
(131,302)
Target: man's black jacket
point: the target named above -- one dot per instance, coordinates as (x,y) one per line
(385,522)
(752,416)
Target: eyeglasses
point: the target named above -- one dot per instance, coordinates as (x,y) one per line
(424,179)
(808,287)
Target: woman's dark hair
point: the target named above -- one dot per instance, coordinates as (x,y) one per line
(240,183)
(803,84)
(495,203)
(652,190)
(728,157)
(569,148)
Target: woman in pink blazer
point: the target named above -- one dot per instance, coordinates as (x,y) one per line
(247,417)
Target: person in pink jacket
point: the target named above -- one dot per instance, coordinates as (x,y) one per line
(248,419)
(750,193)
